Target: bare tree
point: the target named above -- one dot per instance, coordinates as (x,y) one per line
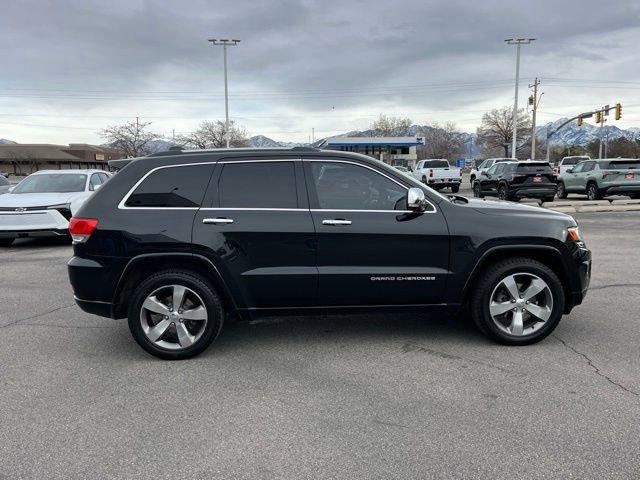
(212,135)
(442,141)
(132,138)
(496,130)
(391,126)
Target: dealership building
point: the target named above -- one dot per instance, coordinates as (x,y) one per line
(24,158)
(391,150)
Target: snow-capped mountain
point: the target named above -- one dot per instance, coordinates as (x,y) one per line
(4,141)
(574,135)
(260,141)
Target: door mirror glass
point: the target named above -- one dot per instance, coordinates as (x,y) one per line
(416,199)
(570,170)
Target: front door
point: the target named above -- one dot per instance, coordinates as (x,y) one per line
(571,180)
(258,231)
(371,249)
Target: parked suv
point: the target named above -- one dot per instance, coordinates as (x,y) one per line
(486,165)
(176,242)
(597,178)
(516,180)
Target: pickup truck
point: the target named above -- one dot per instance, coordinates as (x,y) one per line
(437,173)
(597,178)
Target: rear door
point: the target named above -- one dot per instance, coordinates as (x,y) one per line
(371,250)
(258,231)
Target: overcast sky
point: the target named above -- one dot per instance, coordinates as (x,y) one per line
(70,68)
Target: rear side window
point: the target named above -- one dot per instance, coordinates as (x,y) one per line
(172,187)
(258,185)
(574,160)
(534,168)
(624,164)
(3,181)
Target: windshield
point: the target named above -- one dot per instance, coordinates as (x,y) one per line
(52,183)
(574,160)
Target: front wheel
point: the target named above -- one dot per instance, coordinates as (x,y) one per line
(175,314)
(593,193)
(518,301)
(477,192)
(561,192)
(502,192)
(6,242)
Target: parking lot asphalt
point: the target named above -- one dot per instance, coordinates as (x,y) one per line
(404,396)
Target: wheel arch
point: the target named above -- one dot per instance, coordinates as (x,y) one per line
(545,254)
(141,266)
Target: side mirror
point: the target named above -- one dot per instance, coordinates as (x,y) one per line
(570,170)
(96,187)
(416,199)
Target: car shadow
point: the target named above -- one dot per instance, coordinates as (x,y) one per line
(39,242)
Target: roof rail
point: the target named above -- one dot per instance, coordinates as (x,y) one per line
(305,149)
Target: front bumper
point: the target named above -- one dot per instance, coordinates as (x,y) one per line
(582,262)
(33,223)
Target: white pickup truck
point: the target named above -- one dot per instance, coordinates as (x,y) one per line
(437,173)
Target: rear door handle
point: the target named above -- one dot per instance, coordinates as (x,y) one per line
(217,221)
(336,222)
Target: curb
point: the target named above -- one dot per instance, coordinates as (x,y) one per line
(594,206)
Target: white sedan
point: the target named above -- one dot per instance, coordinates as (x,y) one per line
(43,203)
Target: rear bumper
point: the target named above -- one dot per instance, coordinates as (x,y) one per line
(623,189)
(103,309)
(533,192)
(443,182)
(94,283)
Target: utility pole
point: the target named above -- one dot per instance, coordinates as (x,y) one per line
(534,101)
(225,43)
(313,135)
(518,42)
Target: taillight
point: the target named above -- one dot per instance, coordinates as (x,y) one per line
(430,173)
(82,228)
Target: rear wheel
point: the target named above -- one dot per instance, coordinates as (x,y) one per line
(175,315)
(548,199)
(592,192)
(455,188)
(517,301)
(424,179)
(561,192)
(477,192)
(6,242)
(472,179)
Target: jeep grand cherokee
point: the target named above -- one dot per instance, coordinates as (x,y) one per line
(174,242)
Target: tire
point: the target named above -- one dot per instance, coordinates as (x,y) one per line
(6,242)
(476,190)
(592,192)
(489,284)
(472,179)
(424,179)
(168,346)
(548,199)
(455,188)
(503,193)
(561,192)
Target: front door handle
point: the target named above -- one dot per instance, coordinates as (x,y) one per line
(217,221)
(336,222)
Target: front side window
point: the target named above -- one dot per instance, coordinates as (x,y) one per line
(578,168)
(492,170)
(499,168)
(172,187)
(346,186)
(52,183)
(258,185)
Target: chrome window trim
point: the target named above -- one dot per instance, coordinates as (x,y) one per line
(255,209)
(373,170)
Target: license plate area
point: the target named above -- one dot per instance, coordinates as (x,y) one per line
(629,176)
(537,179)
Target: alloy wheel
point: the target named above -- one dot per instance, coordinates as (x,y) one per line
(591,192)
(521,304)
(173,317)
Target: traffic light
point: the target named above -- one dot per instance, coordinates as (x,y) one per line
(618,111)
(579,121)
(598,117)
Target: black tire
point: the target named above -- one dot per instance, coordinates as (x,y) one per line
(472,179)
(424,179)
(548,199)
(592,192)
(6,242)
(503,193)
(561,192)
(455,188)
(476,190)
(193,281)
(487,282)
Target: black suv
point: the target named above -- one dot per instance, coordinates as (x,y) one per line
(177,241)
(516,180)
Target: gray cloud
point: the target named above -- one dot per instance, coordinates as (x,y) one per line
(329,64)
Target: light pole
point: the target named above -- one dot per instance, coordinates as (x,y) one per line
(518,42)
(225,43)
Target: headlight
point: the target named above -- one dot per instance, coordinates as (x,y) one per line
(63,208)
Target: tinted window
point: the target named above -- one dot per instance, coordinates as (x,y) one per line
(436,164)
(172,187)
(493,169)
(578,168)
(499,168)
(258,185)
(534,168)
(624,164)
(345,186)
(3,180)
(588,166)
(95,181)
(52,183)
(574,160)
